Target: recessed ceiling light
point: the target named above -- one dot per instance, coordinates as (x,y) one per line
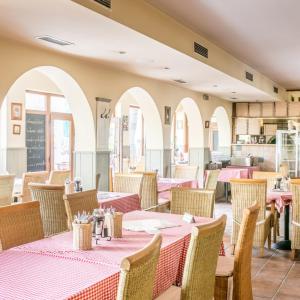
(233,98)
(179,81)
(121,52)
(166,68)
(215,85)
(53,40)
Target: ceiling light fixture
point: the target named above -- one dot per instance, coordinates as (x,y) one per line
(166,68)
(53,40)
(233,98)
(121,52)
(180,81)
(215,85)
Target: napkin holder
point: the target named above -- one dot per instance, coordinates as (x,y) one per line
(82,236)
(114,224)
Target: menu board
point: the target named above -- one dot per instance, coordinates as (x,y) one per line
(36,142)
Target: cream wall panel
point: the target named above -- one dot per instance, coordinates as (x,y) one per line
(254,126)
(242,110)
(280,109)
(294,109)
(254,109)
(267,109)
(241,126)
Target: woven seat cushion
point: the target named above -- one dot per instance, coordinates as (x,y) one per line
(172,293)
(225,266)
(162,201)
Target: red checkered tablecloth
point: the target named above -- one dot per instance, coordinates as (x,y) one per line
(122,202)
(50,269)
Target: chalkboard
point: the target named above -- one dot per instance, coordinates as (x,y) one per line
(36,142)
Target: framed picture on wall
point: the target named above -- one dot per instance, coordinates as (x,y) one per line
(16,129)
(168,115)
(16,111)
(207,123)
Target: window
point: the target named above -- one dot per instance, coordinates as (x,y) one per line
(60,104)
(35,101)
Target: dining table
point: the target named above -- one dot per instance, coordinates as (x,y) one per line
(122,202)
(282,200)
(164,185)
(51,269)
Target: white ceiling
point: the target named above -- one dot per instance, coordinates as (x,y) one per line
(100,38)
(262,33)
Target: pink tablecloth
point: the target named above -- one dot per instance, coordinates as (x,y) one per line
(122,202)
(232,173)
(50,269)
(164,185)
(281,199)
(250,169)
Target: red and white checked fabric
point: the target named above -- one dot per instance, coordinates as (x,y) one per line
(281,199)
(164,185)
(122,202)
(50,269)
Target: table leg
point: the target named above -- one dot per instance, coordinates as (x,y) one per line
(286,243)
(226,188)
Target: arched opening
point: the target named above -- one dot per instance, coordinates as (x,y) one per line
(45,117)
(219,135)
(187,132)
(136,132)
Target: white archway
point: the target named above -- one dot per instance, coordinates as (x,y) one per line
(221,118)
(84,139)
(152,124)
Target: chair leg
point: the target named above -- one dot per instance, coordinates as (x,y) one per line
(232,249)
(275,230)
(261,251)
(269,239)
(278,223)
(293,254)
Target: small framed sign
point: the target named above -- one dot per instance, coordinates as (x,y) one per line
(16,111)
(207,123)
(16,129)
(167,115)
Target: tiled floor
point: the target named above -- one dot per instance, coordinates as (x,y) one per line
(273,277)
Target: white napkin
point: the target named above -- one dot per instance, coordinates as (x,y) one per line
(150,226)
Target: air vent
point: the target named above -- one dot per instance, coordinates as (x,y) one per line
(201,50)
(205,97)
(106,3)
(275,89)
(249,76)
(53,40)
(179,81)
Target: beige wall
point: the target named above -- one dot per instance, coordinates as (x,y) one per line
(97,80)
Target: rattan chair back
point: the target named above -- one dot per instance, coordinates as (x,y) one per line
(127,183)
(295,188)
(201,260)
(148,190)
(6,189)
(193,201)
(53,211)
(269,176)
(138,272)
(31,177)
(20,224)
(79,202)
(211,179)
(186,172)
(59,177)
(242,288)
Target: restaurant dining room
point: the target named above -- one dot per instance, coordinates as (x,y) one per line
(149,149)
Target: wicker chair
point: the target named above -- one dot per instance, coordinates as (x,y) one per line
(6,189)
(53,211)
(34,177)
(244,193)
(295,187)
(233,275)
(201,263)
(59,177)
(212,179)
(127,183)
(194,201)
(20,224)
(271,179)
(138,272)
(149,194)
(186,172)
(79,202)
